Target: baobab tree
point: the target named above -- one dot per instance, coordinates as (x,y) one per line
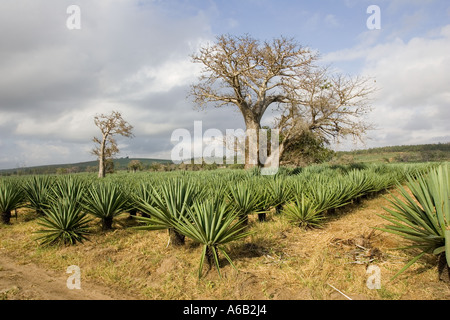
(253,75)
(110,125)
(248,74)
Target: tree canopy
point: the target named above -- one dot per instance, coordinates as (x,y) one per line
(110,125)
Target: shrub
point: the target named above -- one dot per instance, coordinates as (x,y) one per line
(11,198)
(36,192)
(423,217)
(304,213)
(105,200)
(63,223)
(212,223)
(166,205)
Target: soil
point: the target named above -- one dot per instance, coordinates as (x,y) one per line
(32,282)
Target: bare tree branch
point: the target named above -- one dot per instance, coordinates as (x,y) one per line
(329,105)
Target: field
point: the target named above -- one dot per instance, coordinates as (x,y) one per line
(283,256)
(407,153)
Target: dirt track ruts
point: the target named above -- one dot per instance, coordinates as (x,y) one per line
(32,282)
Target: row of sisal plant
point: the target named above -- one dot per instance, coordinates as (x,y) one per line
(211,208)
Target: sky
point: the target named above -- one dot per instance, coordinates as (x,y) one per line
(134,56)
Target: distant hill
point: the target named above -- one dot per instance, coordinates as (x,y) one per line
(88,166)
(405,153)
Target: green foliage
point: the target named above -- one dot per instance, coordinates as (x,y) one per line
(304,213)
(63,223)
(135,165)
(68,187)
(166,205)
(278,193)
(423,217)
(307,149)
(403,154)
(212,223)
(36,192)
(11,198)
(105,200)
(245,198)
(210,207)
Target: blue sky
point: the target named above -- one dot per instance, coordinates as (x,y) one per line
(133,56)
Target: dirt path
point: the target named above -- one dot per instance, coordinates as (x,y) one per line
(29,281)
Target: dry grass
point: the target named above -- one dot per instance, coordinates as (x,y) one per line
(279,261)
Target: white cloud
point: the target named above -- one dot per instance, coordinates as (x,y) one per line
(412,74)
(414,79)
(149,128)
(128,56)
(76,126)
(31,152)
(161,78)
(412,104)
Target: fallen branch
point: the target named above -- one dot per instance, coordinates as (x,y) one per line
(340,292)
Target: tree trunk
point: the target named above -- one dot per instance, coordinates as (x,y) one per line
(209,257)
(262,217)
(101,159)
(101,168)
(176,238)
(443,269)
(252,143)
(6,217)
(278,208)
(253,146)
(133,213)
(107,223)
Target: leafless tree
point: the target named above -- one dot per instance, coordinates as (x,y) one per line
(248,74)
(110,125)
(253,75)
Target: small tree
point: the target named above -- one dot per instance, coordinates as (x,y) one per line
(110,125)
(109,166)
(305,150)
(135,165)
(155,166)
